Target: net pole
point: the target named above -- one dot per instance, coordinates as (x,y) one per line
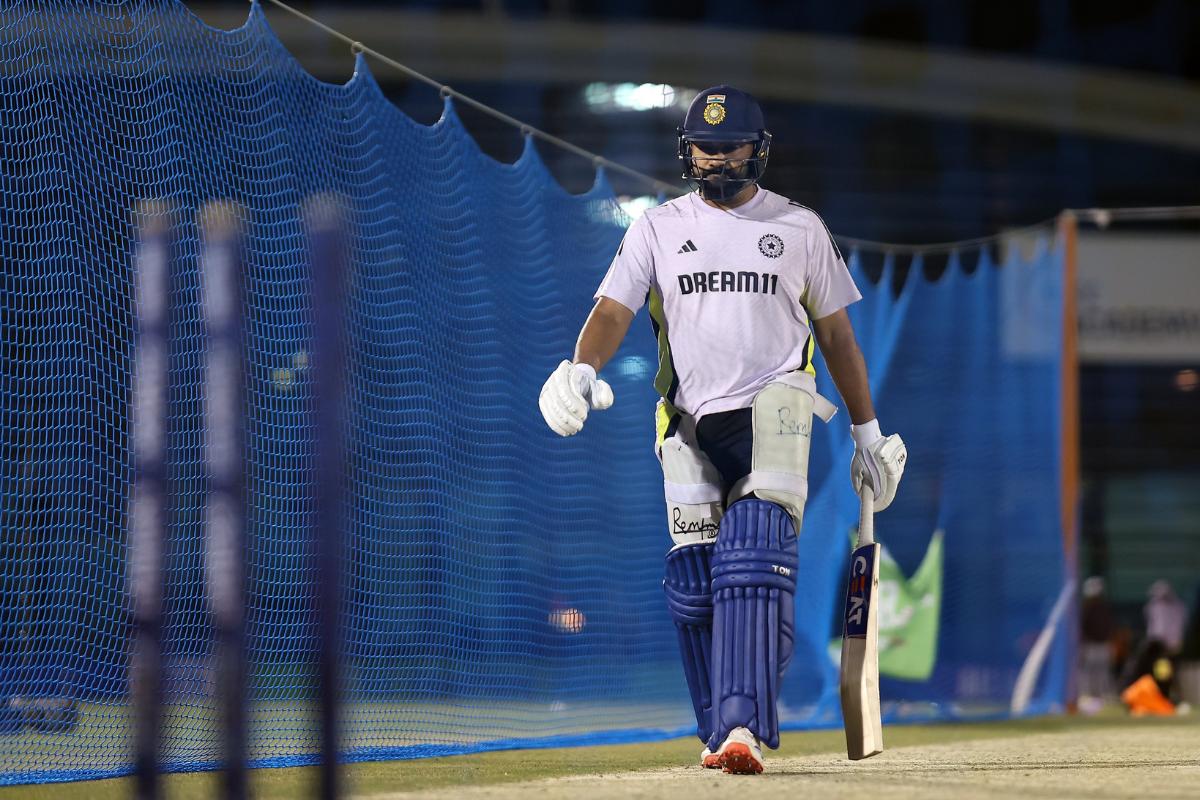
(324,225)
(224,423)
(1069,230)
(148,512)
(1071,510)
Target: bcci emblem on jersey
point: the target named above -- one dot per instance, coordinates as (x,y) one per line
(770,246)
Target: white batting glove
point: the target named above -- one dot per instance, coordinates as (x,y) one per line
(878,462)
(568,394)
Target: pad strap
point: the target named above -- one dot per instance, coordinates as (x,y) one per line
(690,601)
(823,409)
(786,482)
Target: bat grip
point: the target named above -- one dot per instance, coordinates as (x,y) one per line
(866,516)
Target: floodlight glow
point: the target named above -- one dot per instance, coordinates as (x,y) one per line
(636,206)
(634,367)
(606,97)
(644,97)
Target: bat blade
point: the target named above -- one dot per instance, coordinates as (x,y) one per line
(860,657)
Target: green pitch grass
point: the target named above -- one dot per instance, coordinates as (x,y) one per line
(523,765)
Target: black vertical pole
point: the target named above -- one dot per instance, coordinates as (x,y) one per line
(326,241)
(221,275)
(148,505)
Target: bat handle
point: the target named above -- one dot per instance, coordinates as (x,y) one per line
(866,516)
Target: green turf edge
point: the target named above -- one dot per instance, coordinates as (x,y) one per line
(366,779)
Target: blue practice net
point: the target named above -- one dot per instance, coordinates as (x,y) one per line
(503,585)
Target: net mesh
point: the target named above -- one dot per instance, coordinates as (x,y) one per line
(503,586)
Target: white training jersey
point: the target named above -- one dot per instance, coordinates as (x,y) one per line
(730,294)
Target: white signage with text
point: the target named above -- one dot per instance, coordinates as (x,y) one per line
(1139,298)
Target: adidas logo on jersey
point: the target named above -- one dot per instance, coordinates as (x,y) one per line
(688,247)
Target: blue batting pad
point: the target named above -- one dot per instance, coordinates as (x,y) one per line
(690,601)
(754,584)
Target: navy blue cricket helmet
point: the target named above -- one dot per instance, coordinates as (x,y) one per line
(718,121)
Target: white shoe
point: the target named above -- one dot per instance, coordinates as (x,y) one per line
(740,753)
(709,759)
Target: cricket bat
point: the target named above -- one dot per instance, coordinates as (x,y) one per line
(860,642)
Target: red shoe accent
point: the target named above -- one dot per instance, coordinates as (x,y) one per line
(738,759)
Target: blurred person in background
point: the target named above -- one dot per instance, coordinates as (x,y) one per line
(1151,681)
(1189,657)
(1191,643)
(1095,649)
(1166,617)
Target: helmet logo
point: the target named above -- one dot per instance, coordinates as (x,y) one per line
(714,113)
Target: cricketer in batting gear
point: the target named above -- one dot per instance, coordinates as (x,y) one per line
(740,284)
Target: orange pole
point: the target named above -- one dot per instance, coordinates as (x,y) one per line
(1068,228)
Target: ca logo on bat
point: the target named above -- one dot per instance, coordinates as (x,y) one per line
(858,591)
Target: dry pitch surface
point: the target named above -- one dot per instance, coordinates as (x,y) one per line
(1099,764)
(1047,757)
